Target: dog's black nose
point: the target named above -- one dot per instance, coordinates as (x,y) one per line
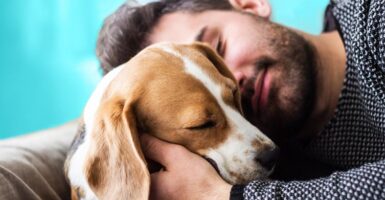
(268,157)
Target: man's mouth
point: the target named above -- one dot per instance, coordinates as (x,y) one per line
(255,92)
(261,91)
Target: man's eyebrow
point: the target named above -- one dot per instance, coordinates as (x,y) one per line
(200,35)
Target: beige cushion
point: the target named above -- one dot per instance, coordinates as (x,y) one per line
(31,166)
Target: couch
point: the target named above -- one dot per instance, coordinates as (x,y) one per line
(31,166)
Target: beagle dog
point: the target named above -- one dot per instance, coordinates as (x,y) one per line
(182,94)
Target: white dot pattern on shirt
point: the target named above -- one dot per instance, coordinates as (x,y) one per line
(356,134)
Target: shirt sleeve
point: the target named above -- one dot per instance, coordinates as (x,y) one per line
(365,182)
(329,21)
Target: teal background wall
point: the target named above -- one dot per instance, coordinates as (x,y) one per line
(301,14)
(48,66)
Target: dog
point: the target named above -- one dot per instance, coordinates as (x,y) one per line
(179,93)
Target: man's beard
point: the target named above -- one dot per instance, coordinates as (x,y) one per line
(291,96)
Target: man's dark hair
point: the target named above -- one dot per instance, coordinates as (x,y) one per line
(125,32)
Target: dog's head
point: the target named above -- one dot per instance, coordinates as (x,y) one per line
(182,94)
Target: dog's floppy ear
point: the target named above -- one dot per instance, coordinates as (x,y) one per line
(220,65)
(115,167)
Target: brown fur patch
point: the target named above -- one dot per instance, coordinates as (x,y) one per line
(114,167)
(256,144)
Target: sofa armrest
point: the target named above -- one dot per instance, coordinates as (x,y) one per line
(31,166)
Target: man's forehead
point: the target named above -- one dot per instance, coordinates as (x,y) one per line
(185,26)
(180,27)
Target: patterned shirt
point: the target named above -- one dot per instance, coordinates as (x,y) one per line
(353,141)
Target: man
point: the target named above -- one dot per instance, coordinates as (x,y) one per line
(321,98)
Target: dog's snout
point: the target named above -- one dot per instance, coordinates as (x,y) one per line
(268,157)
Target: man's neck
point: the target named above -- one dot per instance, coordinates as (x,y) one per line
(331,60)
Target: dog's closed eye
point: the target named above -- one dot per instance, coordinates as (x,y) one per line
(205,125)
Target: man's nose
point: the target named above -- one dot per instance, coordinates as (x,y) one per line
(268,157)
(240,77)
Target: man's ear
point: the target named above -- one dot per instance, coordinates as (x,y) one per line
(261,8)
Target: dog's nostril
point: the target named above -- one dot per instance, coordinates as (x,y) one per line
(267,158)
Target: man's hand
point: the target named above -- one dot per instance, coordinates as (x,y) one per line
(186,175)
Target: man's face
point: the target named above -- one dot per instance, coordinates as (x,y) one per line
(273,65)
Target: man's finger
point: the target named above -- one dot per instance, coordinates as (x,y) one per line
(157,184)
(158,150)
